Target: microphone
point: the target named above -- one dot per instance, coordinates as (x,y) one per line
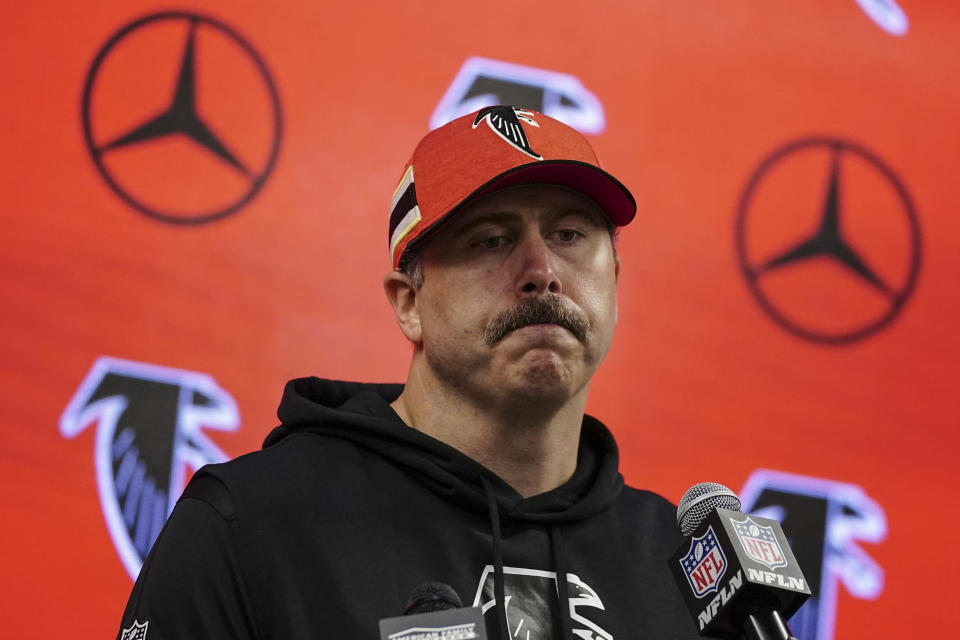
(434,611)
(737,573)
(701,499)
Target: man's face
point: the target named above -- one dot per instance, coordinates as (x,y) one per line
(519,295)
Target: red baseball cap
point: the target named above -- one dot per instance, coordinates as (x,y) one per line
(490,149)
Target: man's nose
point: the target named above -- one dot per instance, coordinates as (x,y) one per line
(538,270)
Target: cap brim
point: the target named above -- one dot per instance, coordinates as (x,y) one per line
(606,191)
(613,198)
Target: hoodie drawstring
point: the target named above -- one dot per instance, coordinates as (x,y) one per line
(556,547)
(563,592)
(498,581)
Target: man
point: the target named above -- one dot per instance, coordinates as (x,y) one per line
(482,472)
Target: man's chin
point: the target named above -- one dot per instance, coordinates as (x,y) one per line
(542,374)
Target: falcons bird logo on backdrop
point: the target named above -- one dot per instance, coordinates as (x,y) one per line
(829,520)
(505,122)
(149,420)
(485,81)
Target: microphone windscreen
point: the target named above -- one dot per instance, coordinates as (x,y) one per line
(432,596)
(699,501)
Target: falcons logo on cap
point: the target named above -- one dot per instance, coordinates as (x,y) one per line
(505,122)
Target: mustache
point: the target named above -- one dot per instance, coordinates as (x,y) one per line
(549,309)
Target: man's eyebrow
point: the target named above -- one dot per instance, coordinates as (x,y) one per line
(494,217)
(506,216)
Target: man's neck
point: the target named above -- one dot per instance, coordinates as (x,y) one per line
(532,448)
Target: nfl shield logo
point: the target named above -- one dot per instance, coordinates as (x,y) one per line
(704,564)
(136,631)
(760,543)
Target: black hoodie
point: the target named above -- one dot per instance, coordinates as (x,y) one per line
(346,509)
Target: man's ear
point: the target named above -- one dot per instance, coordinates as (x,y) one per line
(616,278)
(402,295)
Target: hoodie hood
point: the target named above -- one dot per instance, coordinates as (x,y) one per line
(361,413)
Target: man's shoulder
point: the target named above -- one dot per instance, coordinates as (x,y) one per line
(649,512)
(283,470)
(646,499)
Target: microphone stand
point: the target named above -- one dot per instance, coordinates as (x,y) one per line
(766,624)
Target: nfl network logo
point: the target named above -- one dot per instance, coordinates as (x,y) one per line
(704,563)
(759,543)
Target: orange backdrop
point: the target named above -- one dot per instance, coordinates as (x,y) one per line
(788,294)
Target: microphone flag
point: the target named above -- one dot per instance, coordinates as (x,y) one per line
(734,564)
(464,623)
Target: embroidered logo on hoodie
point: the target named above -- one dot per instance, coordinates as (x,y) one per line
(136,631)
(530,597)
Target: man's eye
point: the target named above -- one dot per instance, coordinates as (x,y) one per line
(566,235)
(492,242)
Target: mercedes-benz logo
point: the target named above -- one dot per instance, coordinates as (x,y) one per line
(828,240)
(182,117)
